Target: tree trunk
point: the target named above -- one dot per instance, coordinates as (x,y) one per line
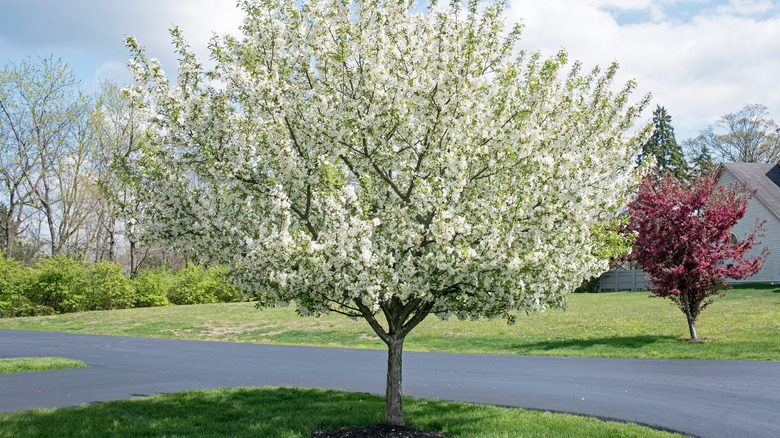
(401,319)
(11,229)
(133,267)
(688,313)
(9,238)
(111,240)
(394,407)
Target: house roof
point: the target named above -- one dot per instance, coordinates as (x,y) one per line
(762,176)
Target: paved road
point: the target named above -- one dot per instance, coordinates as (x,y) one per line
(696,397)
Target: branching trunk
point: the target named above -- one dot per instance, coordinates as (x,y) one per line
(401,319)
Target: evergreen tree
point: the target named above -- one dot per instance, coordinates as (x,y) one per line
(702,162)
(663,146)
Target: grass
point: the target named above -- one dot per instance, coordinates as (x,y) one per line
(745,325)
(27,364)
(287,413)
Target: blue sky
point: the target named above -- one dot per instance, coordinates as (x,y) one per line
(676,11)
(700,58)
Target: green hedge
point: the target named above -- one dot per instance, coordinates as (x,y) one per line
(62,285)
(151,288)
(15,280)
(196,285)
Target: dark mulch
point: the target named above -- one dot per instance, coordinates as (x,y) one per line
(376,431)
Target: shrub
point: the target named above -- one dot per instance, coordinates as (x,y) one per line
(18,305)
(107,287)
(13,276)
(15,284)
(224,290)
(194,285)
(59,283)
(151,288)
(590,285)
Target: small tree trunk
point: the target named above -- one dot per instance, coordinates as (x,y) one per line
(9,241)
(133,266)
(394,408)
(111,240)
(688,314)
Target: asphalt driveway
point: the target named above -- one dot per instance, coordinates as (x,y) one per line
(698,397)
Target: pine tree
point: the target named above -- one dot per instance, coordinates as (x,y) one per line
(702,162)
(663,146)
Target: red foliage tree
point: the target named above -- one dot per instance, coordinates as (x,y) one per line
(683,239)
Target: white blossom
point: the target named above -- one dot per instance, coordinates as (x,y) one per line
(347,154)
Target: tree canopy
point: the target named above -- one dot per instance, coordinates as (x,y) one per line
(386,163)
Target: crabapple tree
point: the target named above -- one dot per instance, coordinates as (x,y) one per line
(683,239)
(385,162)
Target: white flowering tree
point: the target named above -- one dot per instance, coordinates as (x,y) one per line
(386,163)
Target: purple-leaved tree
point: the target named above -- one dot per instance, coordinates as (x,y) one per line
(683,239)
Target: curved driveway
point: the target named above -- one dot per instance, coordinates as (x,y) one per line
(697,397)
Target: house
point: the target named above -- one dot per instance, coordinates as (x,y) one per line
(765,205)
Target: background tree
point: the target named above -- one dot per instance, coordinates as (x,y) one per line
(385,164)
(663,146)
(43,148)
(19,158)
(683,239)
(57,147)
(114,129)
(701,159)
(747,136)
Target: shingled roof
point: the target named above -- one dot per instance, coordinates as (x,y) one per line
(762,176)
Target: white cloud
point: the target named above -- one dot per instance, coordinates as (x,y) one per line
(198,21)
(700,58)
(108,70)
(699,68)
(747,7)
(89,34)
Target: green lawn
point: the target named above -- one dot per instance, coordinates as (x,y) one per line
(27,364)
(744,325)
(287,413)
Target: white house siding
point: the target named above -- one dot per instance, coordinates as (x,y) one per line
(622,279)
(756,209)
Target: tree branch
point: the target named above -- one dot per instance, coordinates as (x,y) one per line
(375,325)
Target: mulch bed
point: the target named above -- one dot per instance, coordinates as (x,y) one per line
(376,431)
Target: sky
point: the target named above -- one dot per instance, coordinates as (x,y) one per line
(700,59)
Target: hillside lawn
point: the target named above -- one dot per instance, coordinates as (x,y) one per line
(743,325)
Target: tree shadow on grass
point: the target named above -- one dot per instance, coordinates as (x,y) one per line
(612,342)
(243,412)
(288,413)
(756,286)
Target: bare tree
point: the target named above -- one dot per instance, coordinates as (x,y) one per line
(19,159)
(53,108)
(747,136)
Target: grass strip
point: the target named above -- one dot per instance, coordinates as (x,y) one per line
(27,364)
(744,325)
(288,413)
